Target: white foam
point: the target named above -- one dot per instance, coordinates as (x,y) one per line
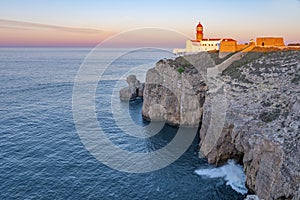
(233,174)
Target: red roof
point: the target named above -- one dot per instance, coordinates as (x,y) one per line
(211,39)
(199,25)
(228,39)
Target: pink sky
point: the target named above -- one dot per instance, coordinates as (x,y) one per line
(87,23)
(15,33)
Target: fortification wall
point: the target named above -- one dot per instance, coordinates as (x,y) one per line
(228,46)
(270,41)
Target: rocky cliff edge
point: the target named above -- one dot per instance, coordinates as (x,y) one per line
(252,114)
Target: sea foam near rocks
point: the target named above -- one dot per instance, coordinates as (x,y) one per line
(232,173)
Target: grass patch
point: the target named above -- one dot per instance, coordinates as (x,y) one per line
(180,64)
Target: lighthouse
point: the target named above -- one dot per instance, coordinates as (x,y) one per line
(199,32)
(227,45)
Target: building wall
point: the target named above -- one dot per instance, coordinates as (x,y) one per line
(197,49)
(228,46)
(240,47)
(270,41)
(206,45)
(191,47)
(188,46)
(210,45)
(250,48)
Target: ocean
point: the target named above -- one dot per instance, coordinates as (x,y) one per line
(43,157)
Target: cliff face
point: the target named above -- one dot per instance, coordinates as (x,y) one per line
(175,91)
(252,116)
(261,122)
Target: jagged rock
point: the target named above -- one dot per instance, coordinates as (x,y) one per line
(175,90)
(297,195)
(128,93)
(255,119)
(141,90)
(132,81)
(135,89)
(261,123)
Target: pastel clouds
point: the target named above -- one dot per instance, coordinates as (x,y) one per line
(18,33)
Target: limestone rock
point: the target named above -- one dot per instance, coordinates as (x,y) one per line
(297,195)
(253,117)
(261,123)
(135,89)
(175,90)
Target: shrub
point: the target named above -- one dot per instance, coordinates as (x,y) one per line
(234,70)
(180,70)
(296,79)
(269,116)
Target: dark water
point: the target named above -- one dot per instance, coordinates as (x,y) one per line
(41,154)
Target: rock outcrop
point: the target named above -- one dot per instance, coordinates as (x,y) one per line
(251,112)
(258,122)
(135,89)
(175,90)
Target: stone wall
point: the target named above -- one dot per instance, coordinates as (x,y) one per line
(270,41)
(228,46)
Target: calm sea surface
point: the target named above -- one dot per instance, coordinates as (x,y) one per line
(41,154)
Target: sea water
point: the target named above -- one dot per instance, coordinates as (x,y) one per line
(232,173)
(42,156)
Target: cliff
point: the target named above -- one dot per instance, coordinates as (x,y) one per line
(261,122)
(175,91)
(251,112)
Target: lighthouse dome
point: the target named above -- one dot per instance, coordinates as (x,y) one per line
(199,25)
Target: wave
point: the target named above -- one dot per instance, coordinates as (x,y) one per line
(232,173)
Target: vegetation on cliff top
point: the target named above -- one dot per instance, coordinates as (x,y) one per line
(180,64)
(296,80)
(180,70)
(234,70)
(269,116)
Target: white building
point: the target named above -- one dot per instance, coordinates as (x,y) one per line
(200,44)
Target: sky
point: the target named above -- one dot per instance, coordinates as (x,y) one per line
(89,22)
